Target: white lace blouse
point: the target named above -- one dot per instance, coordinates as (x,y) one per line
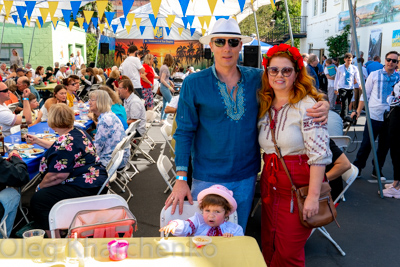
(296,133)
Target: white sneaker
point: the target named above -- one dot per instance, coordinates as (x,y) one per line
(391,192)
(376,177)
(387,186)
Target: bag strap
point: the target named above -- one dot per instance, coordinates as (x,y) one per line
(278,151)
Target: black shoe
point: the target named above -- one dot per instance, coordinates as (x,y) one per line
(373,175)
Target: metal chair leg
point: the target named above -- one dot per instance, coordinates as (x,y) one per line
(256,207)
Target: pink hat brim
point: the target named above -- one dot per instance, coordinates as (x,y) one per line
(221,193)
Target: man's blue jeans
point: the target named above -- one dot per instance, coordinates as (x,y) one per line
(9,198)
(243,192)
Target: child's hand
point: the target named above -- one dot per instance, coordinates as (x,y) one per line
(170,228)
(228,235)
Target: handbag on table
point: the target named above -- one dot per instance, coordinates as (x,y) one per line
(326,212)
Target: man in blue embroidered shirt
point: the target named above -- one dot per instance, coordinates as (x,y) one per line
(217,124)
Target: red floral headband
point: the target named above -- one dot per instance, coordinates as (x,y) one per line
(284,48)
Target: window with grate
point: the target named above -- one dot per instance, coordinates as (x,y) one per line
(315,12)
(323,6)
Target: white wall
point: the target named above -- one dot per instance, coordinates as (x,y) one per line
(62,37)
(324,25)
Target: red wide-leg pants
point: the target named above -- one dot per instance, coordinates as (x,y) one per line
(283,237)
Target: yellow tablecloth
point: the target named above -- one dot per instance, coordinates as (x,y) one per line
(49,86)
(148,251)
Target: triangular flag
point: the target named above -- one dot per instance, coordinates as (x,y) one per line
(126,6)
(201,19)
(23,21)
(273,4)
(155,5)
(71,25)
(52,8)
(88,15)
(168,30)
(95,21)
(153,20)
(44,12)
(185,21)
(180,30)
(234,17)
(130,18)
(207,20)
(80,22)
(221,17)
(21,11)
(142,29)
(203,31)
(184,6)
(101,7)
(170,19)
(128,28)
(212,4)
(109,17)
(101,27)
(7,6)
(30,5)
(123,21)
(85,26)
(114,27)
(38,23)
(138,20)
(75,5)
(241,4)
(190,20)
(192,30)
(54,20)
(66,15)
(15,18)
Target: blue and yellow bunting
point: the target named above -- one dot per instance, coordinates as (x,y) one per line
(141,28)
(153,20)
(75,5)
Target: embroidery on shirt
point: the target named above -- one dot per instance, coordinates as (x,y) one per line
(234,110)
(191,224)
(309,124)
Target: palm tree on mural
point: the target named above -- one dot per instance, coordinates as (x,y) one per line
(197,56)
(119,51)
(145,49)
(181,52)
(189,53)
(131,43)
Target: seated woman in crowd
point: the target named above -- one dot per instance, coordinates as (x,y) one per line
(29,75)
(60,96)
(72,85)
(116,106)
(13,72)
(112,82)
(110,130)
(49,76)
(89,77)
(39,75)
(70,167)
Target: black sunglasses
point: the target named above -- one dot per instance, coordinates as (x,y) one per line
(285,71)
(4,90)
(393,60)
(73,84)
(231,42)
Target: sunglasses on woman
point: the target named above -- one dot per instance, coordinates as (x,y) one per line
(393,60)
(221,42)
(285,71)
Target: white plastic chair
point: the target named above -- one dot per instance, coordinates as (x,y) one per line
(341,141)
(13,106)
(164,166)
(349,177)
(63,212)
(3,227)
(166,131)
(112,167)
(188,211)
(150,117)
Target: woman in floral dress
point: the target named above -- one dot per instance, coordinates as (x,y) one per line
(69,168)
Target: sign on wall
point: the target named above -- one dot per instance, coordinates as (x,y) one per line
(396,38)
(375,43)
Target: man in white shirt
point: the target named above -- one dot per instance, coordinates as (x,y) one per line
(134,106)
(78,60)
(72,70)
(28,67)
(62,73)
(8,119)
(346,75)
(378,87)
(3,70)
(133,68)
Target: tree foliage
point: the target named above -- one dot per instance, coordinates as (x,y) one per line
(91,47)
(338,45)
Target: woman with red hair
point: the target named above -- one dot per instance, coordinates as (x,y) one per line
(287,91)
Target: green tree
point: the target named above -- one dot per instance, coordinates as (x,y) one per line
(338,45)
(91,47)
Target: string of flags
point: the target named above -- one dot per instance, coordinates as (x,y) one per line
(24,13)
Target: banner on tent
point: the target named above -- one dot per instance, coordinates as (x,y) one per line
(158,41)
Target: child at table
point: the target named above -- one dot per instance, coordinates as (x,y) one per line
(34,106)
(216,204)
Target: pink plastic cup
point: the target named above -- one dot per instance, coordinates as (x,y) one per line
(118,249)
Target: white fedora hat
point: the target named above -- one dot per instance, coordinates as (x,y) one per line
(225,28)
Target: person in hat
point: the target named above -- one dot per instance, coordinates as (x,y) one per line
(62,73)
(216,204)
(217,124)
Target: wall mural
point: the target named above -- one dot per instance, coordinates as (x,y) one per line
(186,53)
(376,13)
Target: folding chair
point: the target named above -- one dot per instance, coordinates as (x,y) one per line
(79,91)
(137,141)
(341,141)
(188,211)
(63,212)
(164,166)
(166,131)
(13,106)
(349,177)
(3,227)
(112,167)
(150,116)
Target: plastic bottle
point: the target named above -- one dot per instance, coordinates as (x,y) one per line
(75,104)
(83,111)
